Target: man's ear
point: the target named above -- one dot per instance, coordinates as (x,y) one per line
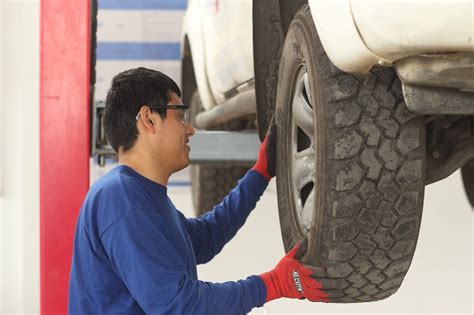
(146,119)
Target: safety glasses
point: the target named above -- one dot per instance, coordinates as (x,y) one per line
(183,111)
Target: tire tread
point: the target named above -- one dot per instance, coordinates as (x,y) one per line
(373,172)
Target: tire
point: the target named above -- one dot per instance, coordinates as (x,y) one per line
(467,172)
(210,183)
(350,167)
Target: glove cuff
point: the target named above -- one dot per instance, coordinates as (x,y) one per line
(262,170)
(261,165)
(271,286)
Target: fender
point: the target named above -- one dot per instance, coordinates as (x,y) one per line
(341,38)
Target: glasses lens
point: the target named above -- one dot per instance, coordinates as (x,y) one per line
(183,114)
(186,115)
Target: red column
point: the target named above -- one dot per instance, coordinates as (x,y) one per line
(64,140)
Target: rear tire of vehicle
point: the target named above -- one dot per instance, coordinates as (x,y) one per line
(467,172)
(210,183)
(355,185)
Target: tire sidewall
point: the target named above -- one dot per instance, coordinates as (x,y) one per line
(297,56)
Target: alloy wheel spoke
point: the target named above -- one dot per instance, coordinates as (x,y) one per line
(303,168)
(307,211)
(303,113)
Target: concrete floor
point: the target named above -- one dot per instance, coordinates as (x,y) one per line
(440,279)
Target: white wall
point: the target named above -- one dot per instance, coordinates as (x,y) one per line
(19,156)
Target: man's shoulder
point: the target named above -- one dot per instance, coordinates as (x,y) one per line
(113,196)
(117,183)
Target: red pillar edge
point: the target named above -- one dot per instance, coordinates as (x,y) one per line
(64,140)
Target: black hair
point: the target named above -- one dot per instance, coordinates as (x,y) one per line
(130,90)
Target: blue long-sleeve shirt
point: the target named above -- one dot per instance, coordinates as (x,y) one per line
(135,253)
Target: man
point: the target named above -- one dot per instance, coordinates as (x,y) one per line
(134,252)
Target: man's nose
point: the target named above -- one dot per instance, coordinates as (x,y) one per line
(190,130)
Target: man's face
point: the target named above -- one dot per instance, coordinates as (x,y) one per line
(173,137)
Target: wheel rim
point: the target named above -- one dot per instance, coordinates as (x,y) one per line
(302,144)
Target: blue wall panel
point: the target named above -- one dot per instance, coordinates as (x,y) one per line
(143,4)
(138,51)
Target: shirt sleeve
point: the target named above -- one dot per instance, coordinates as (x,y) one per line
(211,231)
(156,276)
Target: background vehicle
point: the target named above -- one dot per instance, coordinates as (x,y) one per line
(373,101)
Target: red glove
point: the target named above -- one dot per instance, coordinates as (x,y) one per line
(292,279)
(266,160)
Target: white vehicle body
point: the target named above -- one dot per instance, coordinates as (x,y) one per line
(219,34)
(356,34)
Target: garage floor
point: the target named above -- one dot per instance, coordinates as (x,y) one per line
(440,279)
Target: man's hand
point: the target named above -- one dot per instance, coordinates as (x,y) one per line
(292,279)
(266,160)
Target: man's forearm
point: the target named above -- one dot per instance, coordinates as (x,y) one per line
(212,231)
(199,297)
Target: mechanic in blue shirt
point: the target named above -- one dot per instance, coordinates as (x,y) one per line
(134,252)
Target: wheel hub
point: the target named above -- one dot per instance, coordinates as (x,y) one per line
(302,143)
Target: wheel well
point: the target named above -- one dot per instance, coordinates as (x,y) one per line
(188,78)
(271,20)
(288,9)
